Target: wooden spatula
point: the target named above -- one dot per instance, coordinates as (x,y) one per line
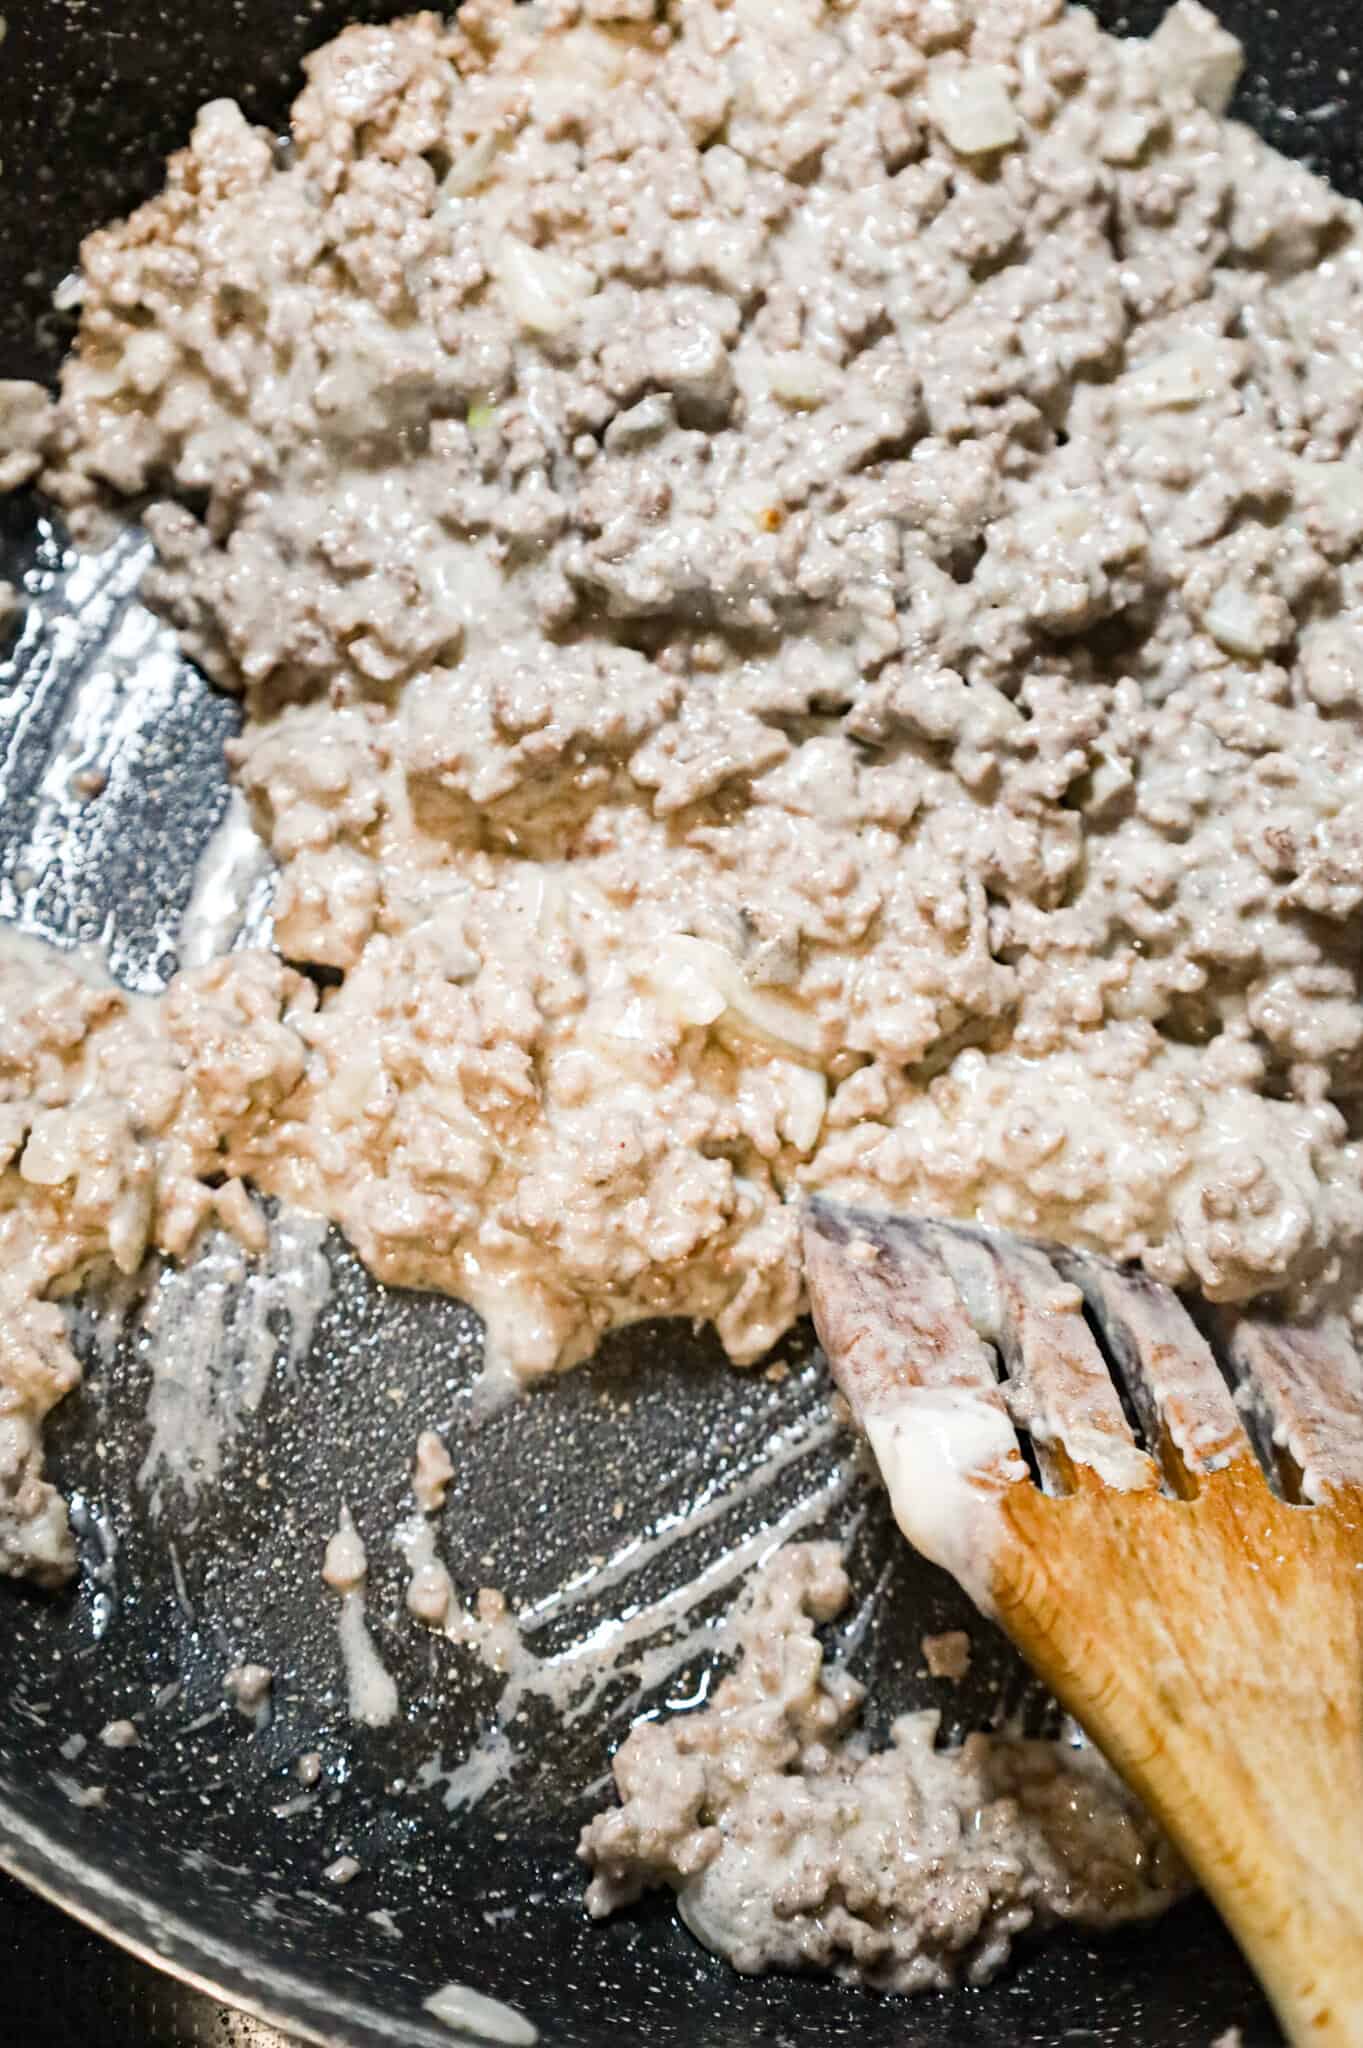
(1191,1588)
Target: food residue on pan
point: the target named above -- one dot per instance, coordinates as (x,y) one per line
(372,1692)
(249,1686)
(465,2010)
(947,1655)
(796,575)
(790,1841)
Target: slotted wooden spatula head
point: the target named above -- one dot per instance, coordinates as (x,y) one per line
(1173,1537)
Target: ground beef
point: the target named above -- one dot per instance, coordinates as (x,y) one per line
(111,1108)
(796,574)
(790,1841)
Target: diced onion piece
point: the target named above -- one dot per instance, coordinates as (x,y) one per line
(544,291)
(971,106)
(129,1227)
(358,1083)
(1109,778)
(685,979)
(471,166)
(1184,376)
(51,1155)
(1125,136)
(574,67)
(1338,486)
(703,985)
(1331,667)
(1051,525)
(798,376)
(1240,621)
(806,1106)
(1192,49)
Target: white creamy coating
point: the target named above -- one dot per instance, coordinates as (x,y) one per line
(210,1334)
(229,905)
(645,1640)
(461,2007)
(373,1694)
(945,1454)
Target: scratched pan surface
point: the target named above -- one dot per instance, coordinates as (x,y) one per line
(174,1847)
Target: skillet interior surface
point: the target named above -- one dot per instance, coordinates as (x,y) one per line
(176,1846)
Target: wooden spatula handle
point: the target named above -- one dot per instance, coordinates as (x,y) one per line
(1305,1942)
(1213,1648)
(1270,1815)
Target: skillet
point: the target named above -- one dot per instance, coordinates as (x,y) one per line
(176,1847)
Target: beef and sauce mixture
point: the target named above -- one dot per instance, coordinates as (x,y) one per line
(795,569)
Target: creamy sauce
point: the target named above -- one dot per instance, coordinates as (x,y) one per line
(209,1337)
(469,2011)
(646,1642)
(371,1690)
(944,1456)
(230,902)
